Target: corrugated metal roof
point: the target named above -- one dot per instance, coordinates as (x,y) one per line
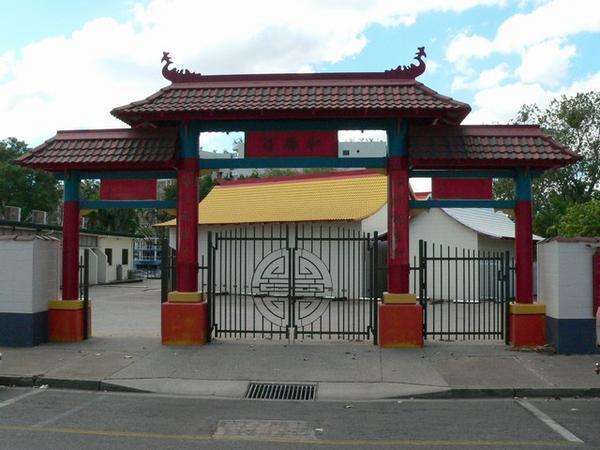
(331,198)
(487,221)
(337,197)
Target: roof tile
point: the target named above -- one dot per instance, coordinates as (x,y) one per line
(106,149)
(407,96)
(463,143)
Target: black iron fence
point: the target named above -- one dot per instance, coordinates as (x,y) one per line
(465,293)
(281,281)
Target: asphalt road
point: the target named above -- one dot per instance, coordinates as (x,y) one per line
(60,419)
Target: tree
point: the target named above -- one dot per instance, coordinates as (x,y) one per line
(581,220)
(112,220)
(23,187)
(205,185)
(575,123)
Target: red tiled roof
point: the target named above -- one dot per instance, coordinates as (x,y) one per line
(293,96)
(105,149)
(485,145)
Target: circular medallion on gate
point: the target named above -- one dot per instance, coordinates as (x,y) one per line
(271,287)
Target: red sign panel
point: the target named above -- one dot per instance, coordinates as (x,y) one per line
(462,188)
(291,144)
(128,190)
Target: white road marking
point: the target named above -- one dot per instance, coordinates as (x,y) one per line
(68,413)
(10,401)
(549,421)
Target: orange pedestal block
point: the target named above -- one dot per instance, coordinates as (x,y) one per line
(65,321)
(184,323)
(400,325)
(527,325)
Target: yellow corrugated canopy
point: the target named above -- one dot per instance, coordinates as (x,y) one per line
(336,198)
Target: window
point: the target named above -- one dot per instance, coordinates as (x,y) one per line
(346,152)
(108,253)
(125,256)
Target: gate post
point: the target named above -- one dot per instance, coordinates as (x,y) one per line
(400,321)
(184,317)
(66,316)
(527,319)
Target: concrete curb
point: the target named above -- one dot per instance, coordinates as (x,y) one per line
(466,393)
(452,393)
(60,383)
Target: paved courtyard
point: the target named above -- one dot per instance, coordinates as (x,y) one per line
(131,309)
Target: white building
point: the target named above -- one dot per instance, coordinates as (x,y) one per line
(110,256)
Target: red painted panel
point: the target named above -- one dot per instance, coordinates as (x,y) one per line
(524,251)
(400,325)
(70,251)
(184,323)
(128,190)
(462,188)
(65,325)
(398,226)
(187,225)
(596,262)
(291,143)
(527,330)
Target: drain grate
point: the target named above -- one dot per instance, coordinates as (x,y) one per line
(278,391)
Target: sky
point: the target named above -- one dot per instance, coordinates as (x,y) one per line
(64,64)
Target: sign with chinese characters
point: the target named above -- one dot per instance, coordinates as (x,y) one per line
(128,189)
(291,144)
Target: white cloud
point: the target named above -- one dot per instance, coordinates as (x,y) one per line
(500,104)
(538,37)
(547,62)
(556,19)
(74,81)
(464,47)
(487,79)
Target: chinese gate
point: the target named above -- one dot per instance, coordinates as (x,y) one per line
(301,281)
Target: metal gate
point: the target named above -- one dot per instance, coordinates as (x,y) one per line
(300,281)
(465,293)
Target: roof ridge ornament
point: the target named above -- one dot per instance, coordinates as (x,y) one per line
(401,72)
(413,71)
(177,75)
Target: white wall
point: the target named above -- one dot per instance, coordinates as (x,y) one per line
(437,228)
(376,222)
(488,244)
(117,244)
(565,281)
(28,275)
(102,265)
(93,265)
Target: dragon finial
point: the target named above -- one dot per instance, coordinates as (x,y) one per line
(413,71)
(177,75)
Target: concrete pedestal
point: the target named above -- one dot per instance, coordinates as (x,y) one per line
(66,321)
(183,320)
(527,324)
(400,325)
